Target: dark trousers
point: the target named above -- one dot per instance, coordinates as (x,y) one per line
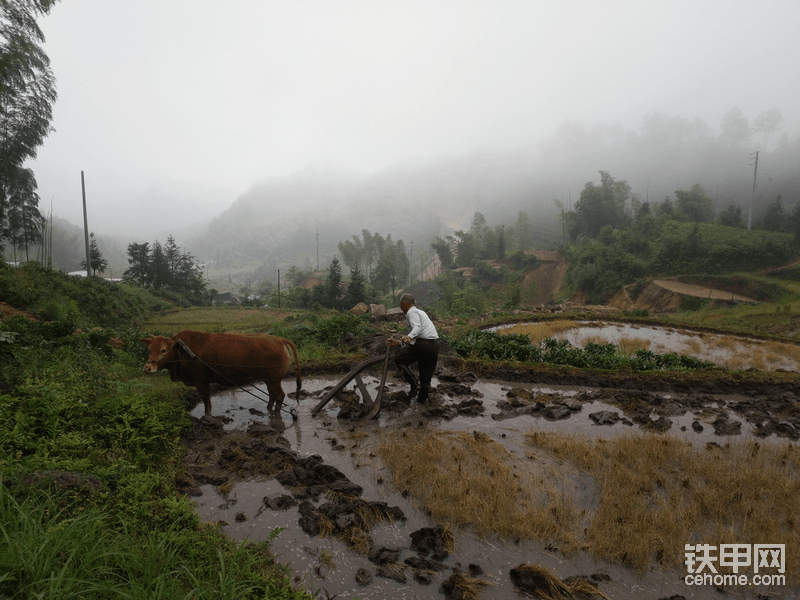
(426,354)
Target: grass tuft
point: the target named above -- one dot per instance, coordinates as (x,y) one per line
(465,481)
(635,499)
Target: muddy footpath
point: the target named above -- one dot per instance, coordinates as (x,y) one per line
(314,487)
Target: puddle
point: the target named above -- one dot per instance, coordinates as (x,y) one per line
(733,352)
(329,568)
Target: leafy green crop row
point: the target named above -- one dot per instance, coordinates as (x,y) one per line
(497,346)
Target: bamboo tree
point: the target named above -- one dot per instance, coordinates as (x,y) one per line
(27,95)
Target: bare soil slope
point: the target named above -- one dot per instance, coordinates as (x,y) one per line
(548,277)
(666,295)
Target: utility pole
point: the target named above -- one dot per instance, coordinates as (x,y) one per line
(753,197)
(86,229)
(279,288)
(317,249)
(411,263)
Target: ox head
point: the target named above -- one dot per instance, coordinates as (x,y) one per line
(160,350)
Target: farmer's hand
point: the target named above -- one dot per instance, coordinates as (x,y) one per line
(406,340)
(393,342)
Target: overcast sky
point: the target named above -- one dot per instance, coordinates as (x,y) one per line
(173,108)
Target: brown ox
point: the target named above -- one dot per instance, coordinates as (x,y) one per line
(223,358)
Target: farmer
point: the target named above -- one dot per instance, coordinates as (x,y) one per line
(420,345)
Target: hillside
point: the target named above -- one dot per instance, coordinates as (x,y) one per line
(277,221)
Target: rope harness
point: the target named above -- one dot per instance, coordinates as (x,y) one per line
(191,354)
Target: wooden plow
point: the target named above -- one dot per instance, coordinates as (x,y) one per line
(355,373)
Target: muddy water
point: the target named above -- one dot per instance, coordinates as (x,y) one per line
(734,352)
(326,567)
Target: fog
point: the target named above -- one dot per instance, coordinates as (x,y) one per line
(174,109)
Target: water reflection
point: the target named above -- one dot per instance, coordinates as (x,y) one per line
(326,566)
(729,351)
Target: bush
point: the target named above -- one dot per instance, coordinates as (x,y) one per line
(486,272)
(523,262)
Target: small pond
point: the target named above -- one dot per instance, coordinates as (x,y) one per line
(730,351)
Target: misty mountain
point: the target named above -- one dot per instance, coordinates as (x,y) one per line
(69,248)
(278,220)
(300,219)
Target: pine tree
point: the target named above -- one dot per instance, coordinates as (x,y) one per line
(333,285)
(139,261)
(523,231)
(159,269)
(357,288)
(172,256)
(98,263)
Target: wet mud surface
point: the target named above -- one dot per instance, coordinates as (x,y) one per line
(313,486)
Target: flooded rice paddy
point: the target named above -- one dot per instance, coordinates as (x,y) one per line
(330,569)
(729,351)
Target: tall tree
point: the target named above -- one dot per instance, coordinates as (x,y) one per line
(501,242)
(467,250)
(27,90)
(190,278)
(352,251)
(294,276)
(371,253)
(392,266)
(442,248)
(736,131)
(731,216)
(172,256)
(775,216)
(768,122)
(600,205)
(480,233)
(522,231)
(357,288)
(695,205)
(98,263)
(139,261)
(333,286)
(159,269)
(23,221)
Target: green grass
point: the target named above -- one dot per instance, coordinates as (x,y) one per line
(767,319)
(56,546)
(70,401)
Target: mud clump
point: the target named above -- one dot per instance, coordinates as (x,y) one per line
(433,541)
(608,417)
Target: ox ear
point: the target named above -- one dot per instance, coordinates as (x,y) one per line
(146,341)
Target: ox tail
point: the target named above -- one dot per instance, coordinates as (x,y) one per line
(297,368)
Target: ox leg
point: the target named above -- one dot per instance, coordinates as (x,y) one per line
(205,394)
(276,395)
